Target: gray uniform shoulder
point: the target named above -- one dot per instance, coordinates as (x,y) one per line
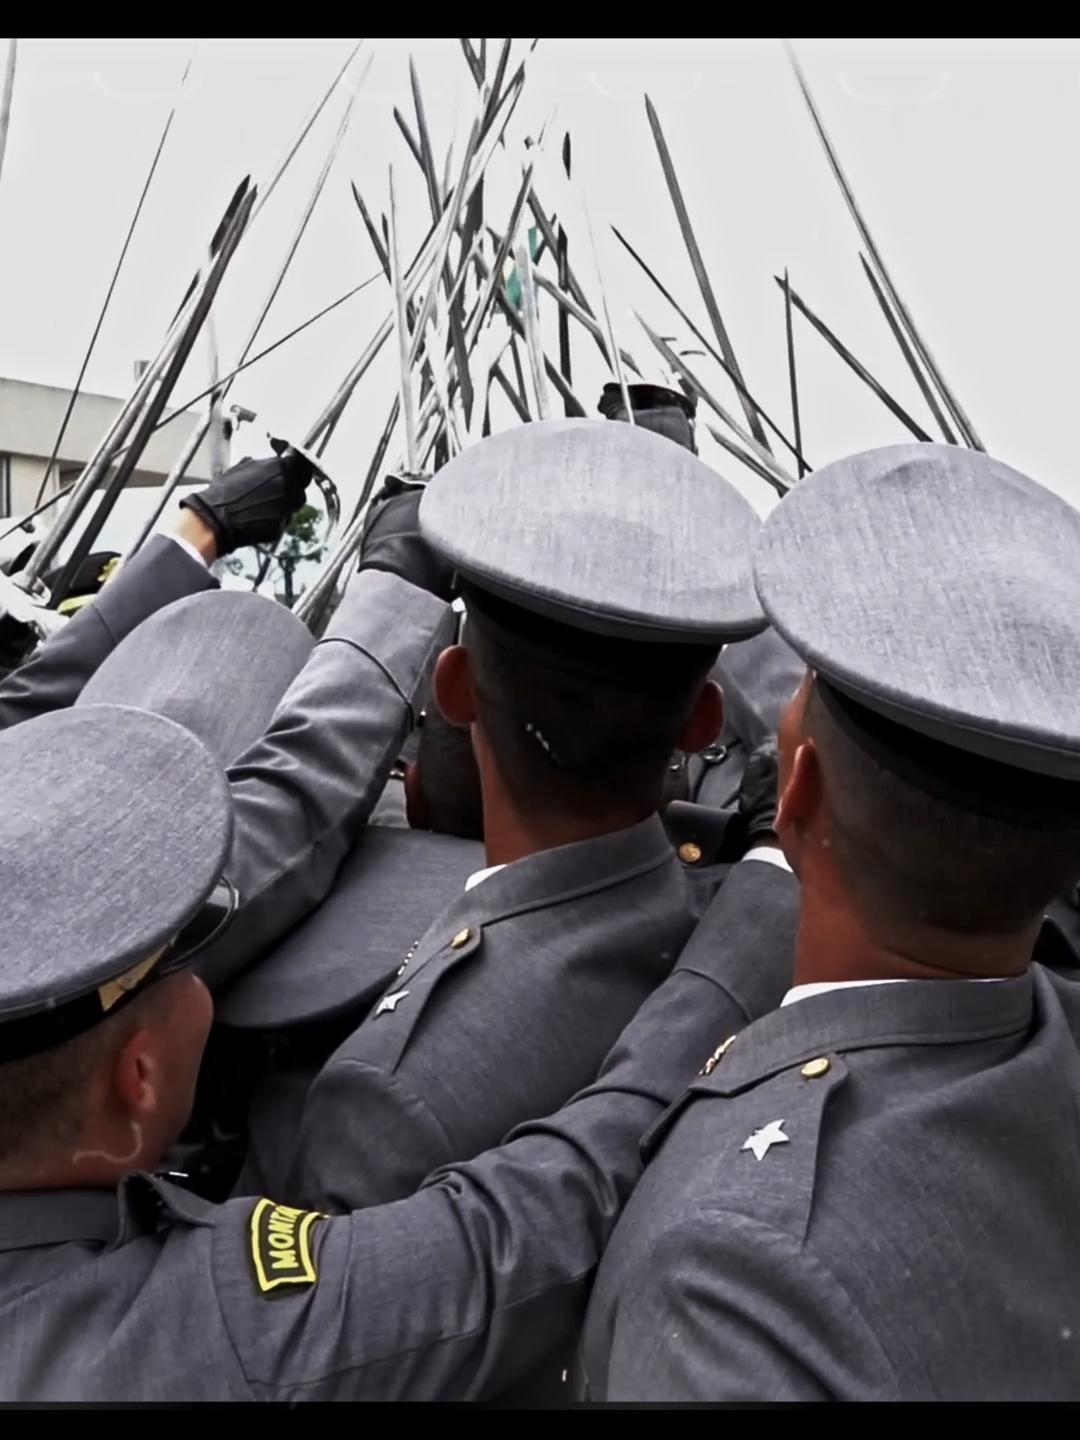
(508,1005)
(803,1274)
(770,1168)
(722,1213)
(112,1297)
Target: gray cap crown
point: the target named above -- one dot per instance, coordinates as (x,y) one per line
(608,528)
(114,831)
(217,663)
(941,589)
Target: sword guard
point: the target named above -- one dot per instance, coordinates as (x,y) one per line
(327,488)
(398,481)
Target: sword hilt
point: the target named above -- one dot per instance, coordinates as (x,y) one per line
(327,488)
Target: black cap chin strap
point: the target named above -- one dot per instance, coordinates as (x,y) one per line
(953,776)
(27,1034)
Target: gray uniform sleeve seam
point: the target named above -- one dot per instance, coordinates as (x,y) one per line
(103,622)
(463,1337)
(821,1272)
(349,1063)
(241,1368)
(735,1003)
(331,830)
(313,843)
(355,645)
(365,1068)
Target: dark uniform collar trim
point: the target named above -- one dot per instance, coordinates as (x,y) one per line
(569,872)
(29,1218)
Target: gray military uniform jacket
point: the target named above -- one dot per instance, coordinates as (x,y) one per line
(303,998)
(303,792)
(507,1006)
(283,1018)
(451,1294)
(53,678)
(872,1196)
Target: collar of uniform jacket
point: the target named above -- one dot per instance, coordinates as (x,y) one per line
(857,1017)
(550,877)
(507,1007)
(32,1219)
(822,987)
(29,1218)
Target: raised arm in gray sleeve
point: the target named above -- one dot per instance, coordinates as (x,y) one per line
(302,792)
(456,1292)
(53,679)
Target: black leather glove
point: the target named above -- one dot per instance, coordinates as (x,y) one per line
(759,798)
(253,501)
(392,540)
(17,641)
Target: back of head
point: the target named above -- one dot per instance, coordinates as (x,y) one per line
(923,834)
(933,592)
(578,723)
(602,567)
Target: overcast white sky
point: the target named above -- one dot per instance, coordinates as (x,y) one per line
(962,155)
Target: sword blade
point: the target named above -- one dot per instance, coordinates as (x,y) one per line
(960,419)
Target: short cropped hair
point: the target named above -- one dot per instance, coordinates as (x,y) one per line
(43,1097)
(579,724)
(913,856)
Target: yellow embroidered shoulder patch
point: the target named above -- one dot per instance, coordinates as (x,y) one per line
(281,1246)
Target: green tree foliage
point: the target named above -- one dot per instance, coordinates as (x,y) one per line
(302,544)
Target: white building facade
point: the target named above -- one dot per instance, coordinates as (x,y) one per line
(30,420)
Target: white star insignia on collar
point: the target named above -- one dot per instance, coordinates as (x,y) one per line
(761,1140)
(390,1002)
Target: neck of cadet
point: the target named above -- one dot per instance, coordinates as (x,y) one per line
(835,943)
(512,832)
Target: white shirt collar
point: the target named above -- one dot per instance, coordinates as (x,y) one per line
(803,992)
(766,853)
(191,550)
(771,856)
(482,875)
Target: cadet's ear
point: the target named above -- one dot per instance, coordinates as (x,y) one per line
(453,686)
(416,811)
(706,722)
(800,798)
(136,1075)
